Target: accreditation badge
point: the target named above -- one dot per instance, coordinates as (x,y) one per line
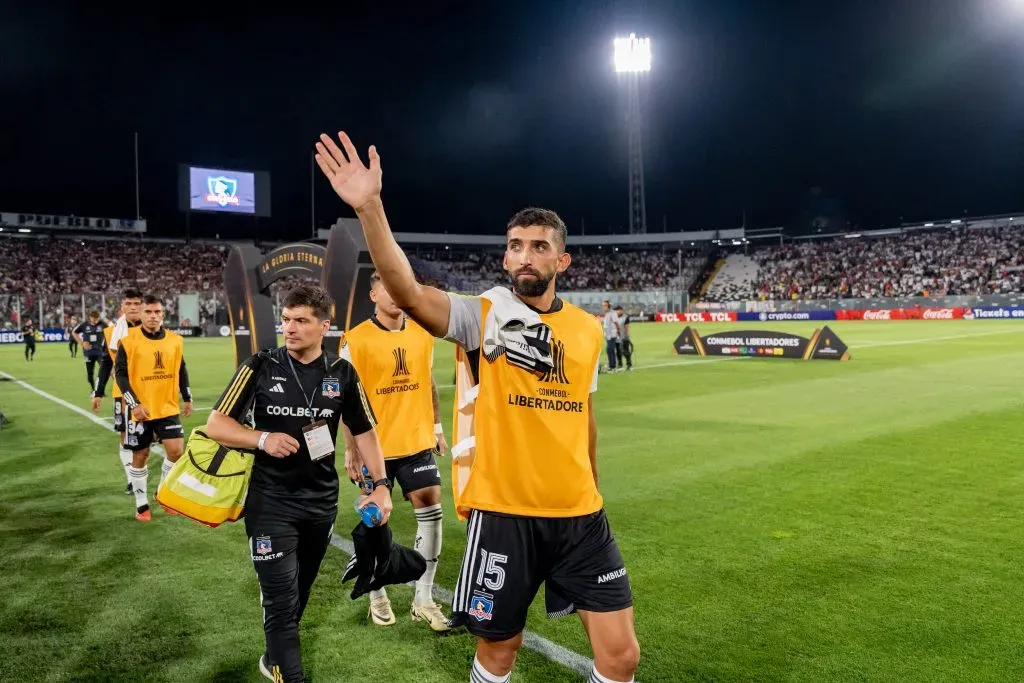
(318,440)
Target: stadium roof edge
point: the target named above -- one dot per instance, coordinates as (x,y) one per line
(27,222)
(574,240)
(965,220)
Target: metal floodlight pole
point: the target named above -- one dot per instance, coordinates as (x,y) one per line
(632,61)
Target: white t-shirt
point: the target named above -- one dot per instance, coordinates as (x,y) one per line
(611,319)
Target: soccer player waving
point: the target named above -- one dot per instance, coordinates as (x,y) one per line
(150,371)
(296,396)
(394,357)
(535,513)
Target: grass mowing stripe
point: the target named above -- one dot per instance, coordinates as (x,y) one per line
(544,647)
(926,340)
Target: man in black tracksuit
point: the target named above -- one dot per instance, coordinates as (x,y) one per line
(295,397)
(90,335)
(28,334)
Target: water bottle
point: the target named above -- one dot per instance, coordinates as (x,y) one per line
(370,513)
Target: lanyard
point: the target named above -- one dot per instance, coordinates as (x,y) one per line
(307,398)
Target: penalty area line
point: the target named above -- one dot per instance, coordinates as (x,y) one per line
(542,646)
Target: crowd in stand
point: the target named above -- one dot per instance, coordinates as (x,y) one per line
(58,272)
(598,270)
(55,277)
(961,262)
(36,273)
(68,266)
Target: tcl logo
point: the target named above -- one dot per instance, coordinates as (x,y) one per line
(709,316)
(938,314)
(698,317)
(877,315)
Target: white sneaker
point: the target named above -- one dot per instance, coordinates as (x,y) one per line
(264,669)
(380,611)
(431,614)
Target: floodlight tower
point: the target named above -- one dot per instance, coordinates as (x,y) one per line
(632,61)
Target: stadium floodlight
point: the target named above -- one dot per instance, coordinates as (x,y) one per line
(632,54)
(632,61)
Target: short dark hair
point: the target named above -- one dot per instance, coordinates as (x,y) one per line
(543,217)
(620,307)
(94,314)
(314,296)
(152,299)
(132,293)
(374,278)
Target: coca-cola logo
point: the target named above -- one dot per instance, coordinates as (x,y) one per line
(938,314)
(877,315)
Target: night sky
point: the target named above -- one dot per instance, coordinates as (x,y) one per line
(907,109)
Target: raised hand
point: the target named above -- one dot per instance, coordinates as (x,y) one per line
(356,184)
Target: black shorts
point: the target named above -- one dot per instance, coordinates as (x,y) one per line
(414,472)
(141,435)
(507,558)
(118,415)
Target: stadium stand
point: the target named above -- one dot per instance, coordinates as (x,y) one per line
(736,276)
(940,263)
(608,270)
(50,278)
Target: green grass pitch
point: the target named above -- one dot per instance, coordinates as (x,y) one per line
(781,521)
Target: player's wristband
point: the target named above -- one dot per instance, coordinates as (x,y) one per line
(438,429)
(263,440)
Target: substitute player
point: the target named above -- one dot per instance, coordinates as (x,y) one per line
(127,323)
(394,358)
(535,513)
(150,370)
(90,335)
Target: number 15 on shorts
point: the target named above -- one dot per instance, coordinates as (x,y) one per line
(490,576)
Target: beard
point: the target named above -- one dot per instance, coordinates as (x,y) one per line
(530,288)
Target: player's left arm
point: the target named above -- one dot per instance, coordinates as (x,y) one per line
(121,377)
(183,387)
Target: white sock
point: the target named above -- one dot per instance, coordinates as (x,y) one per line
(598,678)
(428,543)
(139,476)
(378,594)
(479,674)
(126,460)
(165,469)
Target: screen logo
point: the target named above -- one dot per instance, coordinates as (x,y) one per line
(222,190)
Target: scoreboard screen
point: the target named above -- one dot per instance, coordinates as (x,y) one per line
(219,190)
